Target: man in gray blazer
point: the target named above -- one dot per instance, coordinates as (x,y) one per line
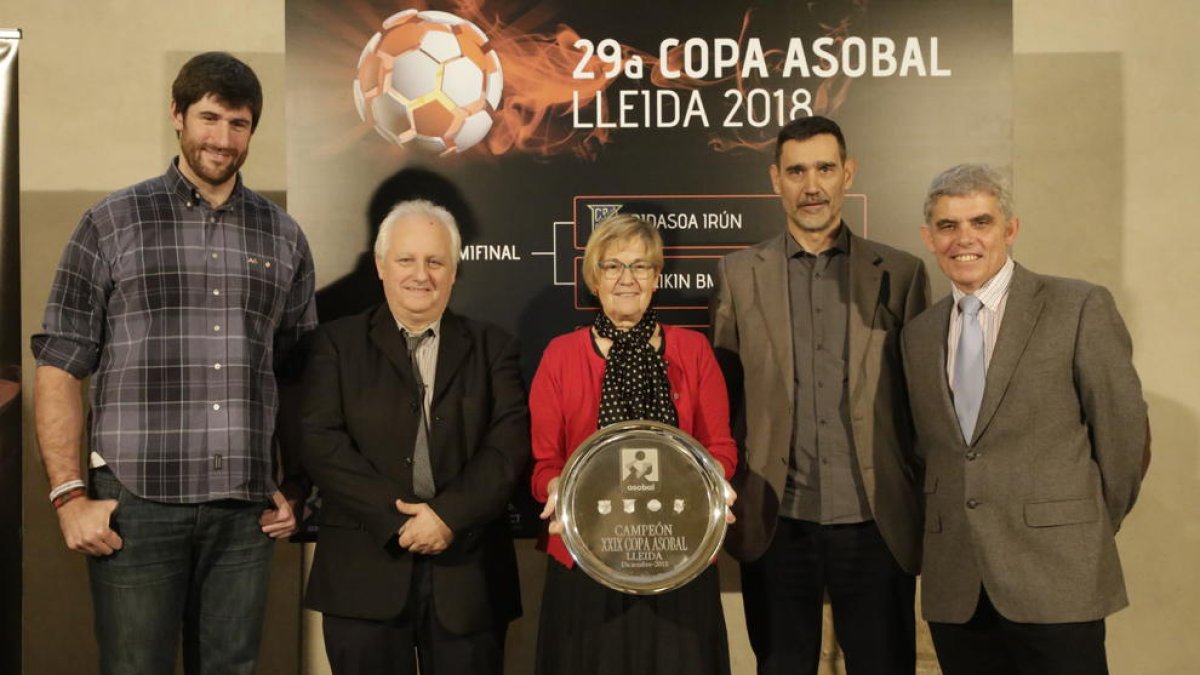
(1031,423)
(806,325)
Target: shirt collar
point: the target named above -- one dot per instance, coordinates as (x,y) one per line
(993,290)
(841,243)
(182,188)
(434,329)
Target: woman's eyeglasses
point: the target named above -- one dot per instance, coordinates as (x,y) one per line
(613,269)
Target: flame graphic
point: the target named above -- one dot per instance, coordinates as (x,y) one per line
(539,87)
(829,96)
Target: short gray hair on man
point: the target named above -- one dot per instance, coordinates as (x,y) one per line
(964,179)
(418,207)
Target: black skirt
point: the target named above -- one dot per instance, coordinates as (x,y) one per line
(586,628)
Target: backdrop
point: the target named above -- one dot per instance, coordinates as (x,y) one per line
(532,121)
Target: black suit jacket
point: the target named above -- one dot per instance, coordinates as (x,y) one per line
(360,420)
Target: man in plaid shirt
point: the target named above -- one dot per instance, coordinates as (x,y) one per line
(181,297)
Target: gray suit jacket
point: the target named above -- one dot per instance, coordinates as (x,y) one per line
(1028,509)
(752,334)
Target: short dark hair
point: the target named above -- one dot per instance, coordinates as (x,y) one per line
(221,74)
(804,128)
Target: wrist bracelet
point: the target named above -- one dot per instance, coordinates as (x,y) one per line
(67,496)
(63,488)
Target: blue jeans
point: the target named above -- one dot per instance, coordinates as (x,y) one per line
(196,569)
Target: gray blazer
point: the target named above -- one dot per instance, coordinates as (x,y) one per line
(752,334)
(1028,509)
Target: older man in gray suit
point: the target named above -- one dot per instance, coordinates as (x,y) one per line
(1031,422)
(807,326)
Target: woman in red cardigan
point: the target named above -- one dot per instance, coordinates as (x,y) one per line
(626,366)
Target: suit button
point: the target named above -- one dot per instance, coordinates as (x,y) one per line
(972,456)
(408,461)
(972,503)
(413,407)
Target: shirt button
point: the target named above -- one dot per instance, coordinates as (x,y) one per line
(821,421)
(972,503)
(217,328)
(214,256)
(216,366)
(212,219)
(819,346)
(216,406)
(216,291)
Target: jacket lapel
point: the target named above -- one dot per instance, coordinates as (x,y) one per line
(865,280)
(771,290)
(385,334)
(1021,314)
(932,349)
(453,348)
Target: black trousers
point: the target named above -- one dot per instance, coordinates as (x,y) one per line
(990,644)
(871,595)
(394,647)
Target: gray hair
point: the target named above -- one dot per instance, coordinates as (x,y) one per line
(619,227)
(964,179)
(418,207)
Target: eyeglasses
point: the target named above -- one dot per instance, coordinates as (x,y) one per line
(613,269)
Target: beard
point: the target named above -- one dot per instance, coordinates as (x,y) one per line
(193,153)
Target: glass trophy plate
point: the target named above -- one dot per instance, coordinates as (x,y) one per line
(642,505)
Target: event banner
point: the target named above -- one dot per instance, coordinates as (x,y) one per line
(10,357)
(533,121)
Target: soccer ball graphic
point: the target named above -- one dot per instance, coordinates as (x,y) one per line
(429,79)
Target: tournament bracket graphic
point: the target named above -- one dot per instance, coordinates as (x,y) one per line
(697,231)
(545,117)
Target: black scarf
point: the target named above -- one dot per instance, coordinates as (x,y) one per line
(635,385)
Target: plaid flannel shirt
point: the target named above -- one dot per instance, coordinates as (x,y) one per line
(181,314)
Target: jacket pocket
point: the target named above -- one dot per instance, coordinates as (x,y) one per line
(933,519)
(1064,512)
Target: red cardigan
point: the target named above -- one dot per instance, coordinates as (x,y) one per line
(564,405)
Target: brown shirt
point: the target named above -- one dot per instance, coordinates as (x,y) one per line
(824,484)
